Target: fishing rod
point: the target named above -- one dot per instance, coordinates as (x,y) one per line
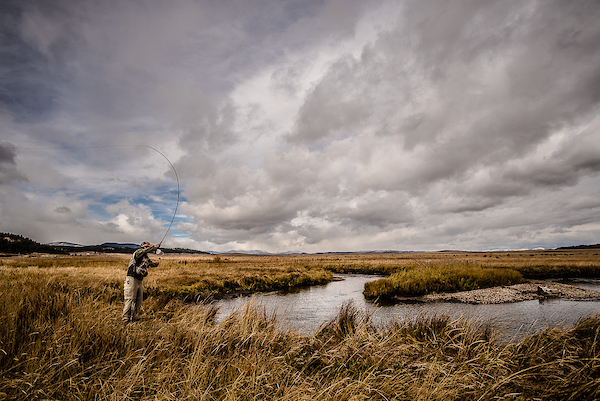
(177,178)
(118,146)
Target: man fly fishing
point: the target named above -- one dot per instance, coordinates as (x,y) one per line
(133,288)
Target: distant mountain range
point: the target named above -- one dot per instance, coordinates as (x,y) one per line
(69,244)
(17,244)
(60,244)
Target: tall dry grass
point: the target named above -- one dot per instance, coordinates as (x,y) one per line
(62,339)
(439,278)
(183,276)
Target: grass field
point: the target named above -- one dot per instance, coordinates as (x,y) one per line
(61,337)
(440,278)
(197,277)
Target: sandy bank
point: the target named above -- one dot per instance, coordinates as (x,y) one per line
(515,293)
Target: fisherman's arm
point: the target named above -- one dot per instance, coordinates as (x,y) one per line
(140,253)
(152,263)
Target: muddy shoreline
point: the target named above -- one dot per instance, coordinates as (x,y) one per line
(529,290)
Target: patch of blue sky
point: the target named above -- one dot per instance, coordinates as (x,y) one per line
(162,208)
(163,197)
(98,204)
(175,233)
(97,211)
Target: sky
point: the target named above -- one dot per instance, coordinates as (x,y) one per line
(301,125)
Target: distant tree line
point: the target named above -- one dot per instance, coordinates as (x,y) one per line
(17,244)
(581,247)
(13,243)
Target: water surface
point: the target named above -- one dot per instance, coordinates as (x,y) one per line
(307,309)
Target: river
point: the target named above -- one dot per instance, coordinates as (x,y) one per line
(305,310)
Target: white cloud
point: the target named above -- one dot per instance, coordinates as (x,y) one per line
(310,126)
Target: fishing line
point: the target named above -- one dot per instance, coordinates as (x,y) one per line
(119,146)
(177,178)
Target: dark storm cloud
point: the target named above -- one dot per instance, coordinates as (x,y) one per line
(469,95)
(8,169)
(7,153)
(502,79)
(307,125)
(335,106)
(22,92)
(381,210)
(35,41)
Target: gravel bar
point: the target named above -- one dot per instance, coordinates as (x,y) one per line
(531,289)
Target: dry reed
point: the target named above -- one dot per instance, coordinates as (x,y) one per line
(61,339)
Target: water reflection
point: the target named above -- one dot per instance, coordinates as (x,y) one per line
(307,309)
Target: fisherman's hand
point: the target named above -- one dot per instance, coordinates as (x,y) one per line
(159,244)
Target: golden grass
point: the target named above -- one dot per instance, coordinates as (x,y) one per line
(420,280)
(586,261)
(62,339)
(182,276)
(196,277)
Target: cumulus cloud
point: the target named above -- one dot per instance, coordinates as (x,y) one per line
(313,126)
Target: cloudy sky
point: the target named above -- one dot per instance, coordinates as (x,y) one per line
(302,125)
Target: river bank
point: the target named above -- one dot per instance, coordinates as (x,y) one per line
(60,333)
(529,290)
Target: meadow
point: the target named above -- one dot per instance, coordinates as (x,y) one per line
(61,337)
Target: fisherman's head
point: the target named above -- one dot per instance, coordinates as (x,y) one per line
(145,244)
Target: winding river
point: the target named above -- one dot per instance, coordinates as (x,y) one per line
(307,309)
